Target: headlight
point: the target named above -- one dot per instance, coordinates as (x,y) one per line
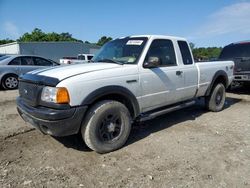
(58,95)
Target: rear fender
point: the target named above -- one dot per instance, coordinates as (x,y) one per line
(217,78)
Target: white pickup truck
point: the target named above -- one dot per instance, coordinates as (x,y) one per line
(131,79)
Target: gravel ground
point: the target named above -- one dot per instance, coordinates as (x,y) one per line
(187,148)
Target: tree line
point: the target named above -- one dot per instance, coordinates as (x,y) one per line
(37,35)
(203,54)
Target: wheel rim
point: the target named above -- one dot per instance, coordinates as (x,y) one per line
(110,127)
(11,82)
(219,97)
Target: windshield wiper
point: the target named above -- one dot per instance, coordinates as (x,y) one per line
(110,61)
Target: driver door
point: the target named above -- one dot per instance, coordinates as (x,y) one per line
(160,85)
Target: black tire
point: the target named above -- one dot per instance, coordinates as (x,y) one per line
(216,100)
(107,126)
(10,82)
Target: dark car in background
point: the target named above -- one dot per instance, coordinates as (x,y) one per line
(12,66)
(239,53)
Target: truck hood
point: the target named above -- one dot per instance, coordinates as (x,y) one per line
(63,72)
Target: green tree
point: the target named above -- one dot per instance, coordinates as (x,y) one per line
(5,41)
(35,35)
(38,35)
(205,53)
(103,40)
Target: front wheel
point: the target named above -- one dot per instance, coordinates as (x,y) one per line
(10,82)
(107,126)
(216,100)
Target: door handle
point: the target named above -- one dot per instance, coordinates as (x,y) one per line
(178,73)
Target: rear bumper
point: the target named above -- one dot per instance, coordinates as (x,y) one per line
(51,121)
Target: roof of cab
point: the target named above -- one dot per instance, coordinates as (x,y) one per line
(155,36)
(159,36)
(241,42)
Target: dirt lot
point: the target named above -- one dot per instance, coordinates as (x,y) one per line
(187,148)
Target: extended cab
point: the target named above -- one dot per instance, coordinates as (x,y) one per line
(131,79)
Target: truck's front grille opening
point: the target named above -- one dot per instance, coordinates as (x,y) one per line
(29,92)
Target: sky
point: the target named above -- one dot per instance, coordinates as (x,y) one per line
(205,23)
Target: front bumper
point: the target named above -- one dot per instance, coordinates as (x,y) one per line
(51,121)
(242,77)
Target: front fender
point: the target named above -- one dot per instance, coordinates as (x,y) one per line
(113,90)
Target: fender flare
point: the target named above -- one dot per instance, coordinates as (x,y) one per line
(217,75)
(113,90)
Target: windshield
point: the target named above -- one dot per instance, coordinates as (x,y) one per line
(235,51)
(122,51)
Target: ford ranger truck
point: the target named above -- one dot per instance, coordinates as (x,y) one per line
(131,79)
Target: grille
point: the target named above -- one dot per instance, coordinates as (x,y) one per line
(29,92)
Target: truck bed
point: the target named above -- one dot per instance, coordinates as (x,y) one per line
(207,70)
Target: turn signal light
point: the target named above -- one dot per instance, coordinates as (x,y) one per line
(62,96)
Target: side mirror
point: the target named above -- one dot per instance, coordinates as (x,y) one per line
(152,62)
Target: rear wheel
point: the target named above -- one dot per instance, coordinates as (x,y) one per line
(10,82)
(107,126)
(216,100)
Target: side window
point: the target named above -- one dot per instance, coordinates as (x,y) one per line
(185,53)
(89,57)
(15,61)
(41,62)
(164,50)
(27,61)
(81,57)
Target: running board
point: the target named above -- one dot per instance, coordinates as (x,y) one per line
(148,116)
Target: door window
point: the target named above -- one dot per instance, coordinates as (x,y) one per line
(81,57)
(185,53)
(27,61)
(164,50)
(15,61)
(89,57)
(41,62)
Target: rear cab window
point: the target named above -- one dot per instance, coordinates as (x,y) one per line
(185,53)
(235,51)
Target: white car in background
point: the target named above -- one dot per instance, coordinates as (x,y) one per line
(81,58)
